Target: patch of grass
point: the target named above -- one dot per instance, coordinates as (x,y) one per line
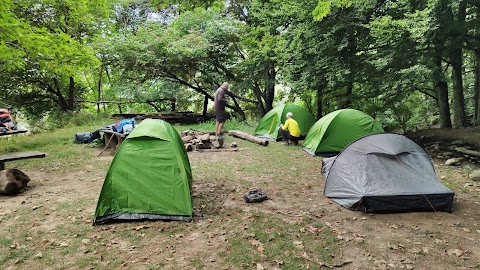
(5,242)
(270,240)
(87,261)
(58,145)
(197,264)
(156,266)
(18,255)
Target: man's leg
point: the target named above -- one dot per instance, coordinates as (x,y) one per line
(285,134)
(219,133)
(220,127)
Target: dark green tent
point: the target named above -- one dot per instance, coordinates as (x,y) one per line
(149,177)
(334,131)
(267,127)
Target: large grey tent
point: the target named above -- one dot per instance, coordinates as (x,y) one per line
(385,173)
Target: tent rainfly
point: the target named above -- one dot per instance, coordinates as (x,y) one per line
(329,135)
(149,177)
(267,127)
(385,173)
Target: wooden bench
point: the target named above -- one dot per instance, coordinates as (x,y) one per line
(112,139)
(19,155)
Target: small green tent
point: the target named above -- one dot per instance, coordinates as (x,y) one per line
(149,178)
(334,131)
(267,127)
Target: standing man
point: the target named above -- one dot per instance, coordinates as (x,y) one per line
(290,130)
(220,114)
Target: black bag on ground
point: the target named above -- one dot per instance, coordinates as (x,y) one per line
(255,196)
(84,137)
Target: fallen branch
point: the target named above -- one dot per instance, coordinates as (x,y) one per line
(467,151)
(248,137)
(217,150)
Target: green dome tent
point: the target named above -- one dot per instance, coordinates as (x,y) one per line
(149,177)
(334,131)
(267,127)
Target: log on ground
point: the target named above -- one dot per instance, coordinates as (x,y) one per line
(248,137)
(467,151)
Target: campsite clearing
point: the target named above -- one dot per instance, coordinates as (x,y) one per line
(49,225)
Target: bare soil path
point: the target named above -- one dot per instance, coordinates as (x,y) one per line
(366,241)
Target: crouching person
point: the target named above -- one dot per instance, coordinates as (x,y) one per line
(290,131)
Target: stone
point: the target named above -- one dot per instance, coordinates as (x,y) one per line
(12,181)
(453,161)
(475,175)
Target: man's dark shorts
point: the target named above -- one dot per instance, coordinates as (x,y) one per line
(221,116)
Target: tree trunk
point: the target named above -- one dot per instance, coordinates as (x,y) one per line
(320,87)
(153,105)
(71,94)
(238,110)
(258,94)
(459,116)
(270,87)
(476,87)
(456,60)
(319,102)
(441,88)
(248,137)
(205,105)
(347,100)
(174,104)
(99,89)
(57,91)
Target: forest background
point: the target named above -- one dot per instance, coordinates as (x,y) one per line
(408,63)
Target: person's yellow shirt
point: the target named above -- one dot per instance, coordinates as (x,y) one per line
(292,127)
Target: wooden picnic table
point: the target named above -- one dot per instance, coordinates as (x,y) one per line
(17,155)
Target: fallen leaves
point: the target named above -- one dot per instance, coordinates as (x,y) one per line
(298,244)
(457,252)
(141,227)
(258,245)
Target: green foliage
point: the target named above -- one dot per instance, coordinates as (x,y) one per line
(196,51)
(322,10)
(323,7)
(59,119)
(330,54)
(44,47)
(188,5)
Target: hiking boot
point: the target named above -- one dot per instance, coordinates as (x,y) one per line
(220,140)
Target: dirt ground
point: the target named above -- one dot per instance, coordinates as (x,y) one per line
(367,241)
